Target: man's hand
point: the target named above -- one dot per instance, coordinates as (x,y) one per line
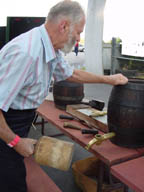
(118,79)
(25,146)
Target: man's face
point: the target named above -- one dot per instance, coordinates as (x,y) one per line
(73,36)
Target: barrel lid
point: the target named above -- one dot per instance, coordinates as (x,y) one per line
(136,80)
(133,84)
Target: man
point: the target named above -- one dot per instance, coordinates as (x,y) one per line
(27,64)
(76,48)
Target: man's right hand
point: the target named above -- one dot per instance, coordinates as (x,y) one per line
(25,146)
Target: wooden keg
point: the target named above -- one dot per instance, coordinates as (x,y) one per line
(54,152)
(126,114)
(67,93)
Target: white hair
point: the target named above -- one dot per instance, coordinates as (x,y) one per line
(66,9)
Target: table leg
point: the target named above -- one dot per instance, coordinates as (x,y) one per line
(126,189)
(43,126)
(112,185)
(100,177)
(42,123)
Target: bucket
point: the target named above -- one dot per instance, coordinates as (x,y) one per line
(67,93)
(126,114)
(54,153)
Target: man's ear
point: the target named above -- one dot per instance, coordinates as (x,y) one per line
(63,26)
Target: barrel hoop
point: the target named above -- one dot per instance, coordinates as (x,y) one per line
(125,104)
(63,98)
(131,86)
(127,131)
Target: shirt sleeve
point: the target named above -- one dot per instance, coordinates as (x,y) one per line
(14,66)
(63,70)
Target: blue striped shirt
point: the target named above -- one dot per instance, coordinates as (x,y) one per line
(27,65)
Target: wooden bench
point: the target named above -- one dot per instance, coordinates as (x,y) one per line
(37,179)
(131,173)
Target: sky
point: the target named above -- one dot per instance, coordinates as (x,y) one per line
(122,18)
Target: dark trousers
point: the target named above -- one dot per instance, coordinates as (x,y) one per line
(12,168)
(76,51)
(12,171)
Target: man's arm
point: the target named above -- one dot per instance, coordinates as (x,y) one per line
(25,146)
(81,76)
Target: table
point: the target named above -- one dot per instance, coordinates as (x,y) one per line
(37,180)
(131,173)
(107,152)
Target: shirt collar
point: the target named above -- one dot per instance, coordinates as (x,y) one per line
(50,53)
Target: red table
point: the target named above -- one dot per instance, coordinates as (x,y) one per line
(131,173)
(37,180)
(107,152)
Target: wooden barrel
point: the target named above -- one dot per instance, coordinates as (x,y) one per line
(67,93)
(126,114)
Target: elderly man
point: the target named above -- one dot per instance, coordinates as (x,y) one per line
(27,64)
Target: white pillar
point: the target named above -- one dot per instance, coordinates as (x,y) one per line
(94,36)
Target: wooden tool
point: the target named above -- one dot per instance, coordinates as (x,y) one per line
(54,152)
(83,131)
(71,126)
(84,122)
(77,111)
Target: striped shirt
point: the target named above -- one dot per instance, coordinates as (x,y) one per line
(27,65)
